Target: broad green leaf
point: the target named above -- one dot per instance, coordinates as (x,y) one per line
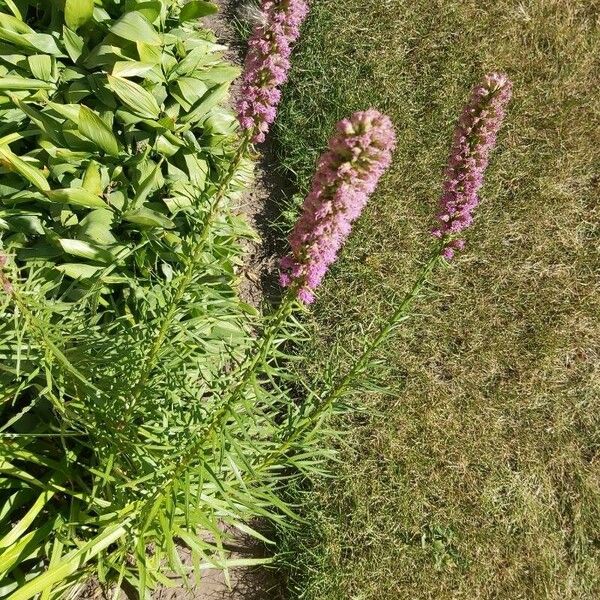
(73,43)
(14,24)
(151,10)
(135,27)
(139,100)
(194,60)
(78,13)
(31,41)
(131,68)
(69,111)
(148,218)
(49,125)
(40,66)
(94,252)
(96,226)
(146,186)
(77,196)
(92,179)
(149,53)
(209,101)
(196,9)
(14,163)
(14,38)
(220,74)
(105,54)
(197,169)
(30,224)
(78,270)
(165,147)
(12,82)
(191,91)
(43,42)
(95,129)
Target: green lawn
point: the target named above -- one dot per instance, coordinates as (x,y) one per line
(480,476)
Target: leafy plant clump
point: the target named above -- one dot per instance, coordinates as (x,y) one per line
(137,409)
(110,135)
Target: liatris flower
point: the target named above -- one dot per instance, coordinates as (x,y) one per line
(347,173)
(474,139)
(268,62)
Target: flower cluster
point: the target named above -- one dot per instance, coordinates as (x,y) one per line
(474,139)
(268,62)
(347,173)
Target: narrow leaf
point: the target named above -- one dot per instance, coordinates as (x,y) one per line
(11,82)
(71,562)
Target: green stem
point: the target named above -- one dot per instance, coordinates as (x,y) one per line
(152,357)
(259,352)
(255,355)
(41,333)
(341,387)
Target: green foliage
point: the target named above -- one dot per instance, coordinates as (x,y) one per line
(110,136)
(139,413)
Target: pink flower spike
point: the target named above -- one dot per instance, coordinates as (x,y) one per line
(474,139)
(347,174)
(267,63)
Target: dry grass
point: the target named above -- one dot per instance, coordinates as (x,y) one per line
(480,477)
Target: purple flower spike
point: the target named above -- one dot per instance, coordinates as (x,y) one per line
(474,139)
(268,62)
(347,174)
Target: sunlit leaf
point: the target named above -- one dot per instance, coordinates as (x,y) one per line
(15,163)
(88,250)
(139,100)
(148,218)
(41,66)
(76,196)
(95,129)
(196,9)
(11,82)
(135,27)
(78,13)
(73,43)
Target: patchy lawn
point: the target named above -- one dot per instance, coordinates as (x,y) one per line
(479,477)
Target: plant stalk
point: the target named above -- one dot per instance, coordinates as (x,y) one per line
(384,332)
(198,248)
